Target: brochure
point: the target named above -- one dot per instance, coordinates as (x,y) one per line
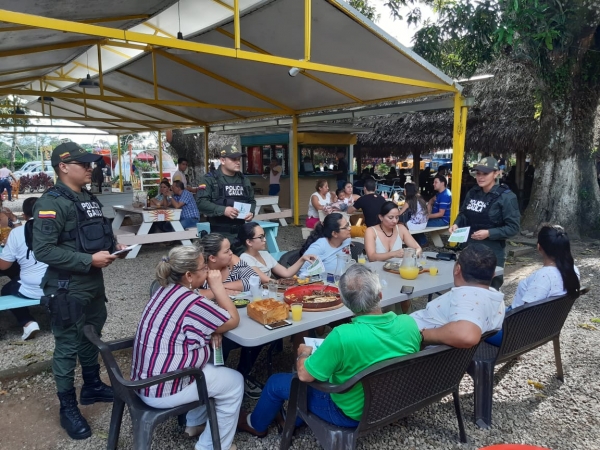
(218,356)
(315,268)
(460,235)
(243,209)
(313,342)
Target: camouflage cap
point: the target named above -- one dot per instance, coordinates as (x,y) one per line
(70,151)
(487,165)
(230,151)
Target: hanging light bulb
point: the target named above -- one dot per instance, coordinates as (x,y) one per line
(87,82)
(178,51)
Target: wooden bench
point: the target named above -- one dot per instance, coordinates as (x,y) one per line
(131,239)
(435,233)
(393,389)
(524,329)
(274,215)
(13,302)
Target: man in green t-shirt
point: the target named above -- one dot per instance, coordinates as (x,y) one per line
(347,351)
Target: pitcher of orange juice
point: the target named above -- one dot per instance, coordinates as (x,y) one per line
(409,269)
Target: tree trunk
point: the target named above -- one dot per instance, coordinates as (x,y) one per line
(13,151)
(565,191)
(190,147)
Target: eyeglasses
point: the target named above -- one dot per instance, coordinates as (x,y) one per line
(85,165)
(203,269)
(346,227)
(262,237)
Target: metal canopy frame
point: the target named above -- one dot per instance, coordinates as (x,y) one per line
(149,93)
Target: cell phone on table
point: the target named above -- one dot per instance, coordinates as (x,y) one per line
(280,324)
(407,290)
(432,258)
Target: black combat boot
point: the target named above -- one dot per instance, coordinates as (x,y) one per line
(70,417)
(93,389)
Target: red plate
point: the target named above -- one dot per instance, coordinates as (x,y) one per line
(301,291)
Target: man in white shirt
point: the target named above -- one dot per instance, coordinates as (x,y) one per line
(179,174)
(31,272)
(459,317)
(5,176)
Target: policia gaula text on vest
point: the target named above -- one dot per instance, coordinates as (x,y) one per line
(75,240)
(219,190)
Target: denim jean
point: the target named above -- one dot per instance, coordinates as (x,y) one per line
(437,222)
(277,391)
(496,339)
(189,222)
(274,189)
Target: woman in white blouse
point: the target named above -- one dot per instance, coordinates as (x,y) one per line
(252,236)
(318,200)
(558,276)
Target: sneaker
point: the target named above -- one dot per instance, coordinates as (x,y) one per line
(252,388)
(30,331)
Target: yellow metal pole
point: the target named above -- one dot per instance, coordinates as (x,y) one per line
(458,149)
(205,149)
(154,75)
(236,23)
(160,151)
(119,160)
(295,170)
(307,28)
(100,78)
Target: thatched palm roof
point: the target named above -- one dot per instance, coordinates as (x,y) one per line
(501,120)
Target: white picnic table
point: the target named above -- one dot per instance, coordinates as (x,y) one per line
(250,333)
(138,234)
(272,201)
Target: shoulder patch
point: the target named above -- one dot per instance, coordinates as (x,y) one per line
(53,193)
(47,215)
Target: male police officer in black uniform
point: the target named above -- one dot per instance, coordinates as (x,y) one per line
(71,235)
(492,212)
(220,189)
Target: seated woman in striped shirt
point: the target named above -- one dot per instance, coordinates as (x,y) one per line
(235,275)
(176,332)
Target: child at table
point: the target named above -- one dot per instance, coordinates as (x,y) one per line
(252,236)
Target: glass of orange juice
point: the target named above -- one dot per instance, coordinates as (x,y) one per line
(433,270)
(296,312)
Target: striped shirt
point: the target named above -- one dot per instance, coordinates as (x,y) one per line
(241,271)
(174,333)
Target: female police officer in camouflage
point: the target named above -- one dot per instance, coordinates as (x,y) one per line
(492,212)
(73,238)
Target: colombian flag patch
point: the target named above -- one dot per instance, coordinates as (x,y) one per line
(64,155)
(202,186)
(47,215)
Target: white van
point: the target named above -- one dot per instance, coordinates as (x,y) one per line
(34,167)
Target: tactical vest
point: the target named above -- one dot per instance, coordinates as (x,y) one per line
(228,193)
(478,211)
(93,232)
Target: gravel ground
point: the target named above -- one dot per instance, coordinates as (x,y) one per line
(559,416)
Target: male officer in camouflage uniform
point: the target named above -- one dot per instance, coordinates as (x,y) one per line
(220,189)
(71,235)
(492,212)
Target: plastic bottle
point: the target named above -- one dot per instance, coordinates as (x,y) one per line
(255,289)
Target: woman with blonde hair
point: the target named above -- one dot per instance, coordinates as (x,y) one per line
(176,331)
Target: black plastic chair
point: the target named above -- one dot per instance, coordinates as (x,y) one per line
(524,329)
(144,418)
(289,258)
(393,389)
(154,286)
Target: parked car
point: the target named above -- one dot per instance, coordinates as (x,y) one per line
(33,168)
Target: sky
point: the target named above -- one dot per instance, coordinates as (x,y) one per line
(397,29)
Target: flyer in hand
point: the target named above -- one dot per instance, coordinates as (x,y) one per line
(460,235)
(315,268)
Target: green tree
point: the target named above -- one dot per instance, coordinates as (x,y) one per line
(366,9)
(9,106)
(560,42)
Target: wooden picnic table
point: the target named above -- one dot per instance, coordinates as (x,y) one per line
(138,234)
(273,202)
(250,333)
